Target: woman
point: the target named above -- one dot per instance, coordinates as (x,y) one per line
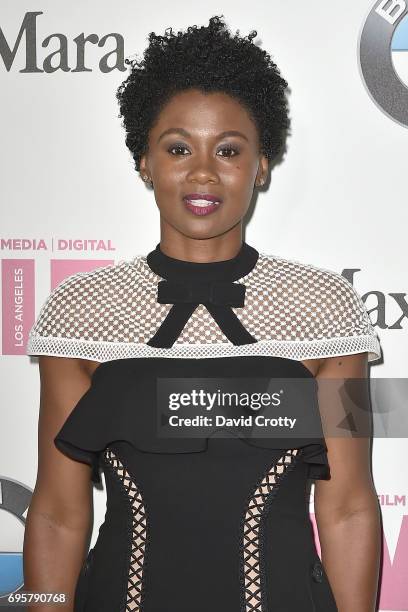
(216,521)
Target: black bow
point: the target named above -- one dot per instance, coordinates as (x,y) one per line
(218,297)
(219,293)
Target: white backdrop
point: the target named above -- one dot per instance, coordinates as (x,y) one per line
(337,201)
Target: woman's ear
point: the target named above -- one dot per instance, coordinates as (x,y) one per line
(262,173)
(143,165)
(143,170)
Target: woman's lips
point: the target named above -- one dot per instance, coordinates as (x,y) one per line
(201,205)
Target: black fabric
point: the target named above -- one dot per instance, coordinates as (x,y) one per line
(194,491)
(188,284)
(231,269)
(221,293)
(232,327)
(121,405)
(172,325)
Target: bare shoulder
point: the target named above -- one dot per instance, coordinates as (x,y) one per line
(86,312)
(343,366)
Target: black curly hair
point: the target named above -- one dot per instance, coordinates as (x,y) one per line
(210,59)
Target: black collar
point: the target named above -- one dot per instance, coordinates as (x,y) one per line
(228,269)
(188,284)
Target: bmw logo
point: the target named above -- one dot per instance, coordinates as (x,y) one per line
(383,57)
(14,501)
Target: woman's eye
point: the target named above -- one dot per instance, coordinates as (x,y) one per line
(178,148)
(230,151)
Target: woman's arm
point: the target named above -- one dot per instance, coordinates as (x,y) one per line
(59,518)
(346,506)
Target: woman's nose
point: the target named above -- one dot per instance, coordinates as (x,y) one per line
(203,170)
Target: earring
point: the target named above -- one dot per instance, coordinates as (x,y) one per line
(261,182)
(146,179)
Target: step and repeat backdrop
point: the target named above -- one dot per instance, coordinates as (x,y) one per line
(71,200)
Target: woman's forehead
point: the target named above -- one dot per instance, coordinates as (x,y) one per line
(198,113)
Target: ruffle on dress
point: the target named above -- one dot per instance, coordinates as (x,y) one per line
(120,406)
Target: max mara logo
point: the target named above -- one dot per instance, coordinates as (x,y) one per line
(66,57)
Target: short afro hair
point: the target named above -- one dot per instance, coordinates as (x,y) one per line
(210,59)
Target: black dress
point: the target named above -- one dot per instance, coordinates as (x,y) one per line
(214,521)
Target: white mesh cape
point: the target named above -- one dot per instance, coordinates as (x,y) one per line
(295,310)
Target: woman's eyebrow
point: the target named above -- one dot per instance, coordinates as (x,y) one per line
(186,134)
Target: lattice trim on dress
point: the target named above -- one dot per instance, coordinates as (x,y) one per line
(139,532)
(252,575)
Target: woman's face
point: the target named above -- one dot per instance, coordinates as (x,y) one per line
(203,158)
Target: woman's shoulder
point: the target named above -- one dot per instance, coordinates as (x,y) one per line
(309,283)
(293,309)
(292,268)
(85,307)
(314,309)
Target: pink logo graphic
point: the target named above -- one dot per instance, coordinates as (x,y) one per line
(61,268)
(394,583)
(17,303)
(393,574)
(18,295)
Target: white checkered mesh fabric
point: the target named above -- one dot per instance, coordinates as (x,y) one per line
(294,310)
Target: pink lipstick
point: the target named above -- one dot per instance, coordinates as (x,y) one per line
(202,203)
